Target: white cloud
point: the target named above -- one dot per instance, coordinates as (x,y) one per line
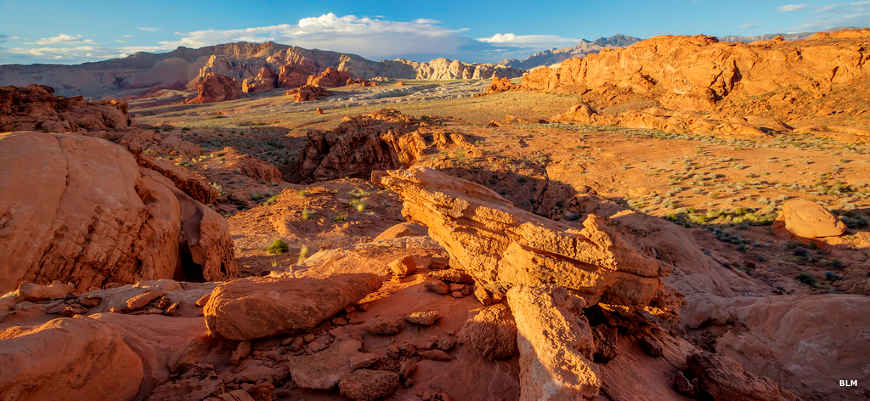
(148,28)
(529,41)
(369,37)
(63,39)
(791,7)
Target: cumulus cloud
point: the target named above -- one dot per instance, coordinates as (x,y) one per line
(63,39)
(368,36)
(791,7)
(529,41)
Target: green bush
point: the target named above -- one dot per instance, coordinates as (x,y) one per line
(807,279)
(277,247)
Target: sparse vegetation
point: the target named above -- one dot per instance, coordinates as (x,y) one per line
(277,247)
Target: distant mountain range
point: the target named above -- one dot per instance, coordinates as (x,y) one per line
(184,67)
(553,56)
(785,36)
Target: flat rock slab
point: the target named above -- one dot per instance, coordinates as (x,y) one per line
(251,308)
(323,370)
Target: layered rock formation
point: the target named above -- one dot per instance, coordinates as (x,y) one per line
(444,68)
(265,80)
(698,84)
(80,209)
(383,140)
(548,272)
(35,107)
(216,88)
(502,246)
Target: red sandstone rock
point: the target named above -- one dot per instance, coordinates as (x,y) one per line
(216,88)
(329,78)
(500,85)
(383,140)
(810,220)
(265,80)
(307,93)
(250,308)
(80,209)
(491,332)
(35,107)
(67,359)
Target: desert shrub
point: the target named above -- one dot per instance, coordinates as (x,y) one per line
(277,247)
(358,204)
(807,279)
(307,213)
(303,254)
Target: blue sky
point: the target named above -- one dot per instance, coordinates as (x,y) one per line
(67,32)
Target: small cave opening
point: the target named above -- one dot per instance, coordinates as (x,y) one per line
(188,270)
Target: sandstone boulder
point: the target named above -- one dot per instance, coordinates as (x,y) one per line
(67,359)
(79,209)
(307,93)
(804,343)
(721,378)
(35,107)
(500,85)
(216,88)
(329,78)
(501,245)
(250,308)
(368,384)
(383,140)
(810,220)
(491,332)
(555,346)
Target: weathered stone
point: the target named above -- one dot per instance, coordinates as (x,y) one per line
(810,220)
(250,308)
(426,318)
(501,245)
(491,332)
(368,385)
(555,346)
(67,359)
(323,370)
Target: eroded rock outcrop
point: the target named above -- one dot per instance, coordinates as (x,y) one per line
(216,88)
(501,245)
(79,209)
(329,78)
(500,85)
(35,107)
(265,80)
(443,68)
(383,140)
(307,93)
(548,271)
(701,85)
